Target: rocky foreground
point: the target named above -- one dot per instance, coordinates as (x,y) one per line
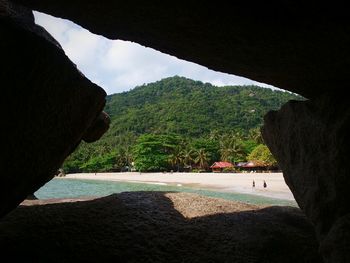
(155,227)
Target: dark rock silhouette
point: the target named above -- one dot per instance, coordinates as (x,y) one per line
(31,197)
(156,227)
(310,141)
(48,106)
(295,45)
(302,47)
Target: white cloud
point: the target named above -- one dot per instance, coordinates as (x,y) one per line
(121,65)
(80,45)
(56,26)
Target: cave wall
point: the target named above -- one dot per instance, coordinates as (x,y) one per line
(48,106)
(275,42)
(297,46)
(310,141)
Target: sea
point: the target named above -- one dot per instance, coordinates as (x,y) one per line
(74,188)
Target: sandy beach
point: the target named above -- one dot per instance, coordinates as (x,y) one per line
(230,182)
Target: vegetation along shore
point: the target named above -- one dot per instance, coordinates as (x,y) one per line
(181,125)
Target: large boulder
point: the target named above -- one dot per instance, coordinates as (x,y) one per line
(48,106)
(156,227)
(310,140)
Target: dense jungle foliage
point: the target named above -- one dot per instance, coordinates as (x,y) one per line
(180,124)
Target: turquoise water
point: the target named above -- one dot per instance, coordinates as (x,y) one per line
(70,188)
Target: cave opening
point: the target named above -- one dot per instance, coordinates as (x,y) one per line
(299,47)
(213,119)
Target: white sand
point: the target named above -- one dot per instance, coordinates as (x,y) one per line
(231,182)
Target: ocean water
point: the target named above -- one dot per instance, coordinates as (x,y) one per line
(70,188)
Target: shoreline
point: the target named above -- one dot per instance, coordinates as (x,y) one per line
(222,182)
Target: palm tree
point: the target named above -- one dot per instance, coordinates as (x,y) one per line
(237,151)
(202,158)
(214,134)
(225,154)
(124,157)
(176,158)
(255,135)
(128,157)
(187,155)
(231,148)
(119,160)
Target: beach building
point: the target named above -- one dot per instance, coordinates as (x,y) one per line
(254,167)
(221,166)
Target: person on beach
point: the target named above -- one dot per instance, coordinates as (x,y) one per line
(253,183)
(265,185)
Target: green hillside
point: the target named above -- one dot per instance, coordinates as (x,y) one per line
(183,106)
(187,109)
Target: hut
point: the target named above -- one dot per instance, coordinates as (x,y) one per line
(221,166)
(251,166)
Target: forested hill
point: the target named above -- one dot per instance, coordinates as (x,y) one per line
(179,118)
(192,108)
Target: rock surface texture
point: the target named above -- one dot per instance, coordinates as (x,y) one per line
(310,140)
(48,106)
(156,227)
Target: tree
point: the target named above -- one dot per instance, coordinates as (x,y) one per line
(151,152)
(210,147)
(202,158)
(176,158)
(188,159)
(231,148)
(249,146)
(255,135)
(262,156)
(100,163)
(198,111)
(123,158)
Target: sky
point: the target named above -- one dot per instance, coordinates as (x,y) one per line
(119,66)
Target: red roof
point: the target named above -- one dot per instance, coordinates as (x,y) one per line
(221,165)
